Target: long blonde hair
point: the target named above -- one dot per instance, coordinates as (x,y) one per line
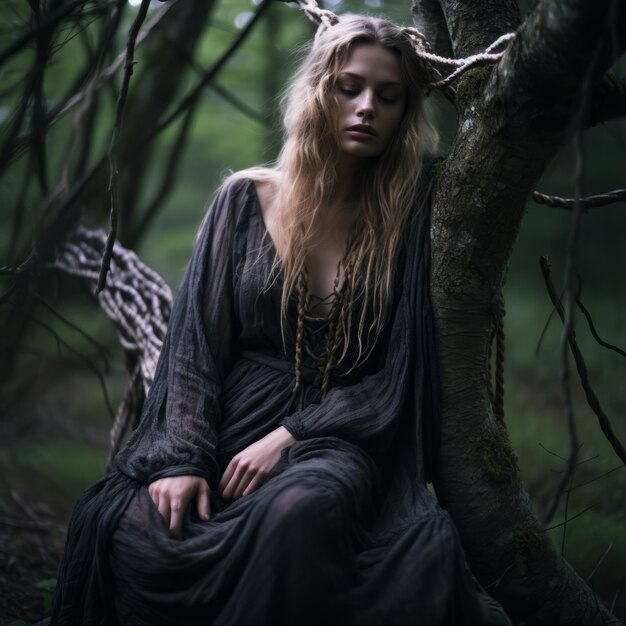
(305,173)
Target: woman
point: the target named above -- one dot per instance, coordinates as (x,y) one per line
(278,472)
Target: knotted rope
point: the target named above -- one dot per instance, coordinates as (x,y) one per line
(325,19)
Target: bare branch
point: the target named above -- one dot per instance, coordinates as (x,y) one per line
(49,22)
(594,332)
(569,519)
(76,93)
(238,104)
(600,561)
(170,171)
(540,77)
(590,202)
(92,366)
(581,366)
(211,74)
(128,72)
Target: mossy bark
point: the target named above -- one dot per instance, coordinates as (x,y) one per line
(512,118)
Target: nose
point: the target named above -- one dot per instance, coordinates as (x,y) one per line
(365,105)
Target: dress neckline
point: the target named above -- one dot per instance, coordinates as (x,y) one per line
(272,245)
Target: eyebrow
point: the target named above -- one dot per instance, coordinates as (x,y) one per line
(359,77)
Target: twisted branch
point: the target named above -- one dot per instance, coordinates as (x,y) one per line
(128,72)
(590,202)
(592,399)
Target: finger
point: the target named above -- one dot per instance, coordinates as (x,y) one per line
(246,479)
(229,489)
(255,483)
(164,510)
(155,496)
(204,503)
(177,517)
(228,474)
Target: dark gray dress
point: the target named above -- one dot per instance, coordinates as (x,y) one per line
(344,530)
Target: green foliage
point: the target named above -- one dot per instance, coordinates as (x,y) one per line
(47,585)
(62,466)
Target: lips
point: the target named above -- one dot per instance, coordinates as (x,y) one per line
(362,128)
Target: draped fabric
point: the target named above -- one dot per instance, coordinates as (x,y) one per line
(344,531)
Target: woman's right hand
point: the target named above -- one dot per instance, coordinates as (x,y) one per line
(173,494)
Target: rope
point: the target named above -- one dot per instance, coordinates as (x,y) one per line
(322,344)
(137,300)
(324,19)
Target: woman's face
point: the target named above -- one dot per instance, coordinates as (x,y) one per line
(372,99)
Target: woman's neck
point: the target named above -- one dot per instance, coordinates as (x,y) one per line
(350,175)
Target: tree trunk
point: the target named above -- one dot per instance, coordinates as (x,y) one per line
(512,119)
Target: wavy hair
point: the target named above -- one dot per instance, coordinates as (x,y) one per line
(305,173)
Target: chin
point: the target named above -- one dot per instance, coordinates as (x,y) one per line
(362,152)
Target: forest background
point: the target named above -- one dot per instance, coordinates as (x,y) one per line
(54,417)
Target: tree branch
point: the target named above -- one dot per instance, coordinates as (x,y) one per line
(581,366)
(49,21)
(590,202)
(211,74)
(538,83)
(128,72)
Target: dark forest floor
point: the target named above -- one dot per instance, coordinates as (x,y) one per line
(31,542)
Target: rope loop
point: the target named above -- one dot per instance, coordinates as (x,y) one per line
(431,63)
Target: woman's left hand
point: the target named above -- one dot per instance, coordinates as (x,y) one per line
(249,468)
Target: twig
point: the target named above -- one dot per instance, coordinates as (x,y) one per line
(614,602)
(581,367)
(102,350)
(226,95)
(593,480)
(544,330)
(567,310)
(590,202)
(567,521)
(599,563)
(238,104)
(170,171)
(51,19)
(592,328)
(73,98)
(61,342)
(121,102)
(210,74)
(558,456)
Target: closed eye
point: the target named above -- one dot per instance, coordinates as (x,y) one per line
(349,91)
(389,99)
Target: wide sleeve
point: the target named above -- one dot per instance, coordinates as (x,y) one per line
(176,434)
(369,412)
